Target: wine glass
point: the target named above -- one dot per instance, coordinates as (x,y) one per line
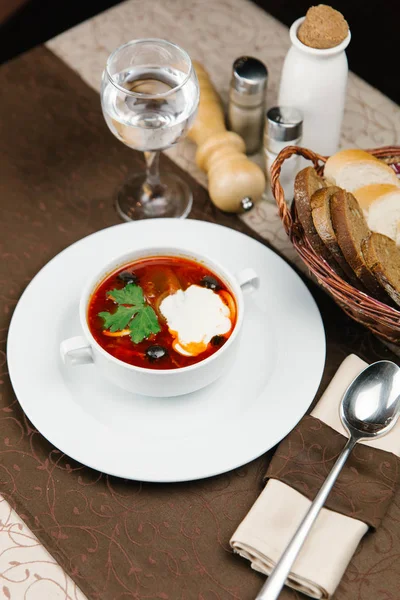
(149,97)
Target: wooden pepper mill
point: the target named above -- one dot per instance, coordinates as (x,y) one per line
(234,182)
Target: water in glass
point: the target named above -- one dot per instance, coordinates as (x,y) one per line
(146,122)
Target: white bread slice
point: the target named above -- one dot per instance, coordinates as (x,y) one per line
(381,206)
(352,169)
(398,234)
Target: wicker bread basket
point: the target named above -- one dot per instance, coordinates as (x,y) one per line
(380,318)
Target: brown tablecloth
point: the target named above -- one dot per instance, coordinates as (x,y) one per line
(59,167)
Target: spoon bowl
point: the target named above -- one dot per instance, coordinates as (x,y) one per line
(371,404)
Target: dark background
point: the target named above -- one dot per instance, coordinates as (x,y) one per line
(373,52)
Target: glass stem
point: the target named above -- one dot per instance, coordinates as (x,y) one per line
(152,186)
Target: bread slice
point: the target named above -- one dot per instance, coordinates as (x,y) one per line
(352,169)
(383,259)
(380,203)
(307,182)
(351,229)
(321,215)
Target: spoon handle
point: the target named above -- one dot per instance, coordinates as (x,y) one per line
(276,581)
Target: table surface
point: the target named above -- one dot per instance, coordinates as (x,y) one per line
(214,32)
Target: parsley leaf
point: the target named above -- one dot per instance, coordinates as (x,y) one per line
(119,319)
(131,294)
(133,312)
(144,324)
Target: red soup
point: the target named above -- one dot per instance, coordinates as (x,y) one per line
(162,313)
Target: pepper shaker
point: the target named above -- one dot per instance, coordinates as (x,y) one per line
(235,183)
(283,127)
(246,110)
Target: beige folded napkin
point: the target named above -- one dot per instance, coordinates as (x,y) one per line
(272,521)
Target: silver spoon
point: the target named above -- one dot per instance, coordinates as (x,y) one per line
(369,409)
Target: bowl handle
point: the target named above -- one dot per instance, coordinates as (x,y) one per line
(248,280)
(76,351)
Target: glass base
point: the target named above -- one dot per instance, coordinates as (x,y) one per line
(174,199)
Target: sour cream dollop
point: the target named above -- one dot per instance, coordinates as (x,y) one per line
(194,317)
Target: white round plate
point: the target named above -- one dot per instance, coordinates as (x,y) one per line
(225,425)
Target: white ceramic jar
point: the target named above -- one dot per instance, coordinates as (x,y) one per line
(315,81)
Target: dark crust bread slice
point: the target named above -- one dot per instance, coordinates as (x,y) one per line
(383,258)
(351,229)
(321,215)
(307,182)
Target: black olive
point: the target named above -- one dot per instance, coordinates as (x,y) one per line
(128,277)
(156,352)
(217,340)
(210,282)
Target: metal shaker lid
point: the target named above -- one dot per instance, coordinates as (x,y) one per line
(284,124)
(249,76)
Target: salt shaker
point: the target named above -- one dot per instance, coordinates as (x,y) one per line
(283,127)
(315,80)
(246,108)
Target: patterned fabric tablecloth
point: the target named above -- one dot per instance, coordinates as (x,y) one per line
(214,32)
